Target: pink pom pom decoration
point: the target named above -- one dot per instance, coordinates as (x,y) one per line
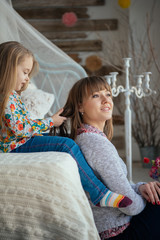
(69,19)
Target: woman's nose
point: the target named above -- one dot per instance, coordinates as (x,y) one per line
(105,99)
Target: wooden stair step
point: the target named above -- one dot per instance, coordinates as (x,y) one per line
(105,70)
(119,142)
(79,45)
(50,12)
(81,25)
(56,3)
(64,35)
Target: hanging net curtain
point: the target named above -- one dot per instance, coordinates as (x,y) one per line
(58,72)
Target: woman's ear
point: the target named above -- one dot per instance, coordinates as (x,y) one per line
(80,108)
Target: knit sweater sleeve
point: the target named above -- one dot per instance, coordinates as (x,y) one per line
(102,156)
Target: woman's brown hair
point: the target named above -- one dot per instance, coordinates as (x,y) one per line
(81,90)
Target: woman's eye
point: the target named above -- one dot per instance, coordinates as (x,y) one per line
(95,95)
(108,95)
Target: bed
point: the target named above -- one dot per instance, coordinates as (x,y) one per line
(41,197)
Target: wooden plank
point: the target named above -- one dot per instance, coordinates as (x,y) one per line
(118,120)
(75,57)
(64,35)
(118,142)
(105,70)
(50,13)
(56,3)
(81,45)
(81,25)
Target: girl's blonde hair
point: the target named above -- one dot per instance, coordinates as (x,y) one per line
(11,54)
(81,90)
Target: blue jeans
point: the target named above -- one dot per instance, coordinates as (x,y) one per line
(47,143)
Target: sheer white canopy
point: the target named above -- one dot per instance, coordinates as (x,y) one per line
(58,71)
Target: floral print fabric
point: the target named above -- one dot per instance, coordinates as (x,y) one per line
(89,129)
(17,127)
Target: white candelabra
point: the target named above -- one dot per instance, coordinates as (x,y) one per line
(140,90)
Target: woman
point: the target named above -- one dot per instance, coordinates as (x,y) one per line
(89,107)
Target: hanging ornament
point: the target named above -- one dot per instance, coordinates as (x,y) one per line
(93,63)
(69,19)
(124,3)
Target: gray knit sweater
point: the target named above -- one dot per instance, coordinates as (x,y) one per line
(103,158)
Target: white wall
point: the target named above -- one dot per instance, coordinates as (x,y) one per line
(138,13)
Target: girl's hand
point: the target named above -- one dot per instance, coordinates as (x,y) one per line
(58,120)
(151,192)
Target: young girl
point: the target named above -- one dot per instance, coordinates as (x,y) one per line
(89,107)
(19,133)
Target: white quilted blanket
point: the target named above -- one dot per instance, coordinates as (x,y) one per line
(41,198)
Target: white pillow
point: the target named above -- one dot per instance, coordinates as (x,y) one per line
(37,101)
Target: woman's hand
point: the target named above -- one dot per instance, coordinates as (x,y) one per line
(57,119)
(151,192)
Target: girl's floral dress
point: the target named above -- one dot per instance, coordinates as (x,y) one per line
(17,127)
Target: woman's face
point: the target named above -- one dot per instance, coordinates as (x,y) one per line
(97,108)
(23,70)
